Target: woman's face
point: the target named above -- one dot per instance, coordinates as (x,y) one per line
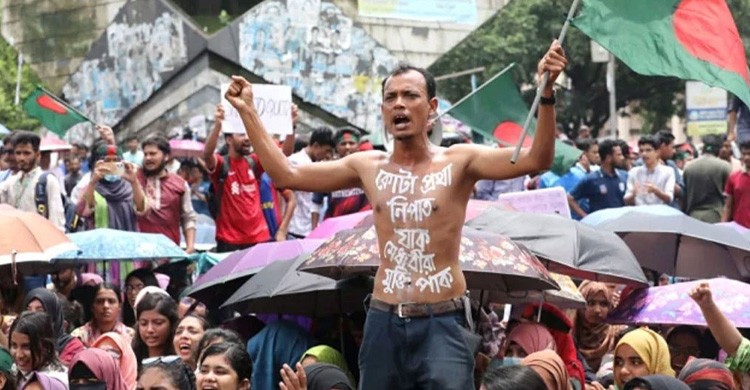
(108,345)
(515,350)
(106,307)
(597,308)
(681,347)
(215,372)
(628,365)
(187,336)
(153,328)
(35,306)
(132,287)
(85,381)
(20,350)
(154,379)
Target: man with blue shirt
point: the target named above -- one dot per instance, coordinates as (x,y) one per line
(604,188)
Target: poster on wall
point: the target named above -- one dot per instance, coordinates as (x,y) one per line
(272,102)
(447,11)
(706,109)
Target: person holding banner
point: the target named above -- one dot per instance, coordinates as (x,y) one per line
(416,333)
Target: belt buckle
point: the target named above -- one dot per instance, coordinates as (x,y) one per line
(400,309)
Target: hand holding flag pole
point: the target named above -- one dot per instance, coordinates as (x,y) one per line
(542,84)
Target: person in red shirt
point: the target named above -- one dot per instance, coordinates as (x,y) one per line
(240,222)
(737,191)
(169,205)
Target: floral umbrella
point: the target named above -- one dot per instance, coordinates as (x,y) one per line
(489,261)
(671,305)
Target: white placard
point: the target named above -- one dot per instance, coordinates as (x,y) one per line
(273,103)
(545,201)
(198,125)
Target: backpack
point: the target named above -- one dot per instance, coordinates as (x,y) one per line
(72,221)
(213,197)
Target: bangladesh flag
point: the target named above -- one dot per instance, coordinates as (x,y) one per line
(497,110)
(689,39)
(54,114)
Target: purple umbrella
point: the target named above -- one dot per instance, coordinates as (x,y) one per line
(330,226)
(671,305)
(216,285)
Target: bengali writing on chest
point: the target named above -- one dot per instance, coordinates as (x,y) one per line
(406,251)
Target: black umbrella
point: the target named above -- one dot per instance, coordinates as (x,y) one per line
(566,246)
(280,288)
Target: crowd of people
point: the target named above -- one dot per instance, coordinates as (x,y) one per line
(134,326)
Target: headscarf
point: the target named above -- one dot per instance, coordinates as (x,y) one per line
(102,365)
(326,354)
(550,367)
(322,376)
(148,290)
(594,342)
(656,382)
(532,337)
(707,374)
(128,362)
(652,349)
(278,343)
(47,382)
(6,361)
(52,307)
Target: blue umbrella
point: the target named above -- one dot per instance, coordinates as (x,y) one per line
(111,244)
(599,217)
(4,130)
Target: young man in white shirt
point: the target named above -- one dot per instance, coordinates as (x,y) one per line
(652,182)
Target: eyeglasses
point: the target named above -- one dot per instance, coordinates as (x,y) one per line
(168,360)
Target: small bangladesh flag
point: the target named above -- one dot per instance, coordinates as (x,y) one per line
(689,39)
(54,114)
(497,110)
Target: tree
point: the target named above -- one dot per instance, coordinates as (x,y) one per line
(522,31)
(12,116)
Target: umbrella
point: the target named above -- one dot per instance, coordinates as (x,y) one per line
(110,244)
(598,217)
(671,304)
(29,239)
(489,261)
(331,226)
(683,246)
(4,130)
(568,297)
(53,143)
(566,246)
(281,288)
(215,286)
(186,148)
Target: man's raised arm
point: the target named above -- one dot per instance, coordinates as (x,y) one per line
(319,177)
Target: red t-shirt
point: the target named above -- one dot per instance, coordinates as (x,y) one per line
(738,187)
(240,220)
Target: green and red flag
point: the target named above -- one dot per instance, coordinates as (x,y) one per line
(52,112)
(497,110)
(688,39)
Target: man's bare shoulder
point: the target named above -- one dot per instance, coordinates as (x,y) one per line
(467,150)
(366,157)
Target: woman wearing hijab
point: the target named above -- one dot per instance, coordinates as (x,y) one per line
(326,354)
(593,337)
(279,343)
(42,300)
(655,382)
(525,339)
(707,374)
(42,381)
(640,353)
(550,368)
(116,345)
(94,369)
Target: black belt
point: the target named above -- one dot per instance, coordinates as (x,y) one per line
(413,310)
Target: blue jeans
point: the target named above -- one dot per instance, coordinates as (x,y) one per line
(415,353)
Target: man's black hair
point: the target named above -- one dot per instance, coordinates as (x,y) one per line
(745,145)
(649,140)
(607,148)
(28,138)
(428,77)
(158,141)
(322,136)
(584,144)
(712,144)
(665,137)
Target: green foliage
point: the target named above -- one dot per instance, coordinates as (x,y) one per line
(522,31)
(13,117)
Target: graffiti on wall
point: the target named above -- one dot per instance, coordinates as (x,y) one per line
(313,47)
(131,65)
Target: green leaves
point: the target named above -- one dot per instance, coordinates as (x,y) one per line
(12,116)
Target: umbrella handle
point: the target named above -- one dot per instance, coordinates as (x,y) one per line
(14,267)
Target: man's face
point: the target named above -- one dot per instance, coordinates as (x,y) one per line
(240,143)
(593,155)
(347,145)
(73,166)
(617,158)
(154,160)
(62,278)
(406,107)
(666,151)
(725,152)
(9,156)
(745,157)
(321,152)
(26,157)
(649,155)
(133,145)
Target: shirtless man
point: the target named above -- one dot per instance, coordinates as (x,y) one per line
(419,194)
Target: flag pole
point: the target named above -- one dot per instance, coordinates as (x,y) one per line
(540,88)
(57,99)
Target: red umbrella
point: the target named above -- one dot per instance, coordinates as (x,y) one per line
(186,148)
